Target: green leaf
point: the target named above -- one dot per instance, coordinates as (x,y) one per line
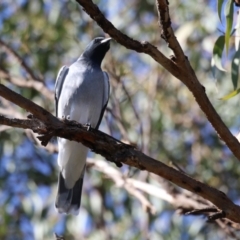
(220,4)
(237,32)
(231,94)
(229,22)
(235,68)
(217,53)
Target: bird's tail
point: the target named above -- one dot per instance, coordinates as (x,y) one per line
(68,200)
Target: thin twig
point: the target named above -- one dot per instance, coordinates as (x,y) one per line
(30,83)
(24,65)
(166,29)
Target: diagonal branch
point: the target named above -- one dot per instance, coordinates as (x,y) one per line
(20,60)
(30,83)
(24,103)
(182,70)
(126,41)
(167,31)
(113,150)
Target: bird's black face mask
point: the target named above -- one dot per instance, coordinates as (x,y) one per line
(97,49)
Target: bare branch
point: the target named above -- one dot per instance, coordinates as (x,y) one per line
(19,123)
(118,178)
(181,70)
(126,41)
(30,83)
(20,60)
(167,33)
(26,104)
(113,150)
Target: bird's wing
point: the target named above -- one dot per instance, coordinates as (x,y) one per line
(58,85)
(105,98)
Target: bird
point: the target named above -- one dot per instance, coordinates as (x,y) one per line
(81,94)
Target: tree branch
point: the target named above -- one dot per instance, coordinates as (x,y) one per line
(182,70)
(113,150)
(166,29)
(30,83)
(24,103)
(142,47)
(20,60)
(127,183)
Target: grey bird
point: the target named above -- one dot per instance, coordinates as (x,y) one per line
(81,94)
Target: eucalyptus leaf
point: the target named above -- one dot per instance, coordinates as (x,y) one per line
(229,22)
(217,53)
(220,4)
(231,94)
(237,32)
(235,69)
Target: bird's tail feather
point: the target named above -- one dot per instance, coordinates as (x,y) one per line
(68,200)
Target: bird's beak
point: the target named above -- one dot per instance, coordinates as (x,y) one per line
(106,40)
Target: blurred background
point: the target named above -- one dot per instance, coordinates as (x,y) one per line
(147,107)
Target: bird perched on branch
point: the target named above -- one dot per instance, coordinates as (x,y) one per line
(81,94)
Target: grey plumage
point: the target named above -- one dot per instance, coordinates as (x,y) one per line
(81,94)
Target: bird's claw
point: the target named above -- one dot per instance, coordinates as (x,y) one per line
(88,126)
(66,117)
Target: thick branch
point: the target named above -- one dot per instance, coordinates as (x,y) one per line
(112,150)
(19,123)
(126,41)
(181,70)
(24,103)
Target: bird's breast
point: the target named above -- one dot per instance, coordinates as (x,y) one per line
(82,96)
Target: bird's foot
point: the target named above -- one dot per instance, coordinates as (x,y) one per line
(66,117)
(88,126)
